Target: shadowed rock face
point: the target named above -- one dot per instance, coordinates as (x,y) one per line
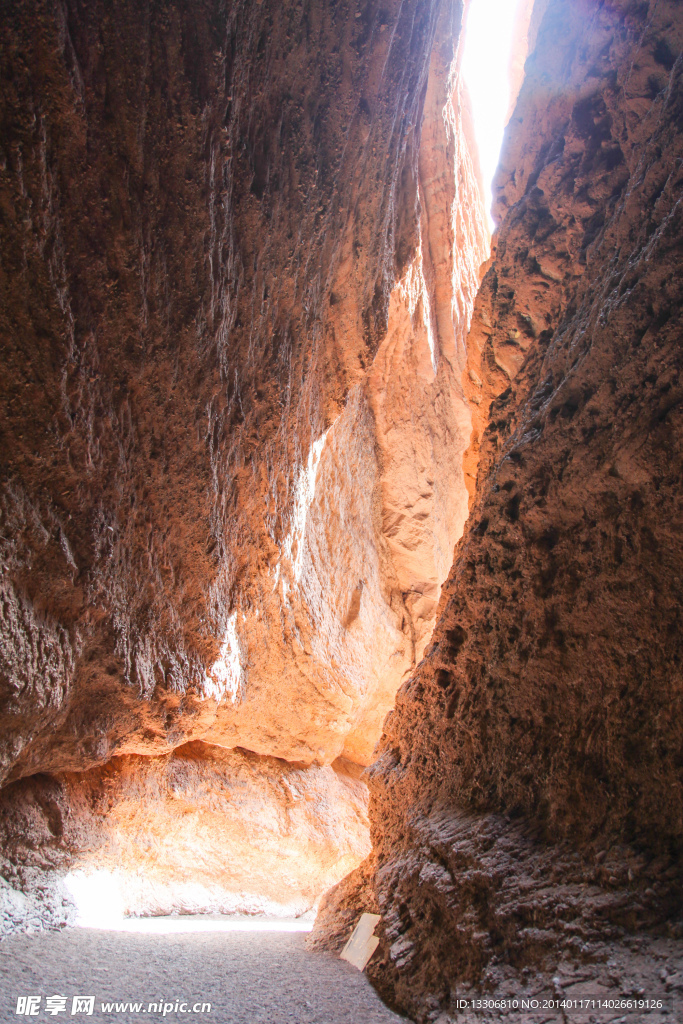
(235,291)
(526,803)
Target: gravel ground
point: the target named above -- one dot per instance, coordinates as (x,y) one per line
(248,977)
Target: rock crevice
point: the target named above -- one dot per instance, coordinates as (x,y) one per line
(526,803)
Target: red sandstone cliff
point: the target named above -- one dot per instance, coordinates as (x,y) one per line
(240,249)
(235,288)
(527,804)
(208,525)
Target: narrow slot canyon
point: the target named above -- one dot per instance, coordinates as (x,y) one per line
(342,532)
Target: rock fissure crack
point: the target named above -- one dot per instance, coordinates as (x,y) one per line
(284,476)
(526,798)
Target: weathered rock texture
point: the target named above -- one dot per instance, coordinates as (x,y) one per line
(216,519)
(527,801)
(240,248)
(338,912)
(195,831)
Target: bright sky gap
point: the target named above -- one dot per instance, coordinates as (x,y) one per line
(489,35)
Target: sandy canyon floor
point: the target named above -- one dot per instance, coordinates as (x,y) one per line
(248,977)
(258,972)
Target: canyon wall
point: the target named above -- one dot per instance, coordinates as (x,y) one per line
(200,830)
(526,803)
(240,248)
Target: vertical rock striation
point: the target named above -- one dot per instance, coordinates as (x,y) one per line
(212,220)
(527,800)
(241,243)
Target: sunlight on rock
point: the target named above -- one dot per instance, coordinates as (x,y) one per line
(98,896)
(488,69)
(226,675)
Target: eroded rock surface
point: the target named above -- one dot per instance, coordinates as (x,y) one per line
(216,524)
(201,830)
(340,908)
(235,290)
(527,803)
